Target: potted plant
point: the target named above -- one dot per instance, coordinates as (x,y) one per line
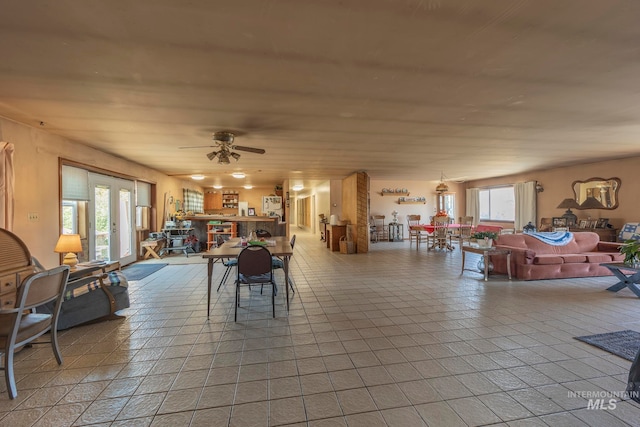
(484,238)
(631,251)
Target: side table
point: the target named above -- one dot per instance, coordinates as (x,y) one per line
(396,232)
(486,253)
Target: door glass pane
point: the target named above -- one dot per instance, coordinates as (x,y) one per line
(126,228)
(103,222)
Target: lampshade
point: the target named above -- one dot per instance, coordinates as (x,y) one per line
(591,203)
(568,204)
(442,188)
(69,243)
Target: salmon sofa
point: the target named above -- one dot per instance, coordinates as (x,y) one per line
(532,259)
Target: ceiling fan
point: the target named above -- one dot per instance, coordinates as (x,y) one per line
(224,145)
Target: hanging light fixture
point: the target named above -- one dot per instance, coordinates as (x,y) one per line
(442,187)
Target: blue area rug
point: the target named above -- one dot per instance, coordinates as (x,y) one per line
(140,271)
(622,343)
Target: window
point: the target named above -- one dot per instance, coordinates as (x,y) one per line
(447,203)
(497,204)
(192,201)
(69,217)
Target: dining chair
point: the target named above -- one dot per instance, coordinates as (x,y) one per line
(278,262)
(255,266)
(229,263)
(378,223)
(463,233)
(21,325)
(417,235)
(441,237)
(413,220)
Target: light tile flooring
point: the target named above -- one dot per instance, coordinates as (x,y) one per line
(393,337)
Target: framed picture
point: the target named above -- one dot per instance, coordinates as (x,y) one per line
(583,223)
(559,221)
(251,211)
(602,222)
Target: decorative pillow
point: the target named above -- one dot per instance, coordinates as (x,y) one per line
(630,230)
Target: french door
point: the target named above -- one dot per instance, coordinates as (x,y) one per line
(111,219)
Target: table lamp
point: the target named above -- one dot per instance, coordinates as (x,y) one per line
(570,216)
(69,243)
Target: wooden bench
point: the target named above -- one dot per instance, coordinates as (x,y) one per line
(152,247)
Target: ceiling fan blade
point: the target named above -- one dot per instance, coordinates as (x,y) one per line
(199,146)
(249,149)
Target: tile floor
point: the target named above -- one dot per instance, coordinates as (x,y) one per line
(395,337)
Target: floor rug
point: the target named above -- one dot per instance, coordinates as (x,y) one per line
(622,343)
(140,271)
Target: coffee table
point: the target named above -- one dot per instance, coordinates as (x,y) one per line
(629,277)
(486,253)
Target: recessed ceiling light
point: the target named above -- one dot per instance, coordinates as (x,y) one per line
(197,177)
(248,187)
(297,187)
(217,187)
(238,175)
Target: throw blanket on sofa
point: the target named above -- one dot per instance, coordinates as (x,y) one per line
(114,278)
(553,238)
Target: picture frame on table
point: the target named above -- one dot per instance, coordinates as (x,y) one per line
(251,211)
(583,223)
(559,221)
(602,222)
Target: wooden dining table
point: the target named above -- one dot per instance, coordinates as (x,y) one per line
(231,249)
(431,228)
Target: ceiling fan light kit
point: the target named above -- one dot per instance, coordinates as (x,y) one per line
(224,144)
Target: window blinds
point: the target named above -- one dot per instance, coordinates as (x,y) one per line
(143,197)
(75,183)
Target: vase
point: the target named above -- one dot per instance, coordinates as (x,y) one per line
(481,265)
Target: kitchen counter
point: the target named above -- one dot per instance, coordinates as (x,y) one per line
(245,224)
(234,218)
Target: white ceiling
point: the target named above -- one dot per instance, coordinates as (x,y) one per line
(401,89)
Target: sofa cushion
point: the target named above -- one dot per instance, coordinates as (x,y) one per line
(599,257)
(573,258)
(548,259)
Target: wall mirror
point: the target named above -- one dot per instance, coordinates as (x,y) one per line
(597,193)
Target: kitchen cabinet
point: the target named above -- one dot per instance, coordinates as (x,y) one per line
(212,200)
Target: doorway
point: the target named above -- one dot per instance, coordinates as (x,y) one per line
(111,219)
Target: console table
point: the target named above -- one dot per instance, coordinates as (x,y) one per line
(606,234)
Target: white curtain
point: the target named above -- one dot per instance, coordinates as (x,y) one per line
(473,204)
(525,195)
(7,177)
